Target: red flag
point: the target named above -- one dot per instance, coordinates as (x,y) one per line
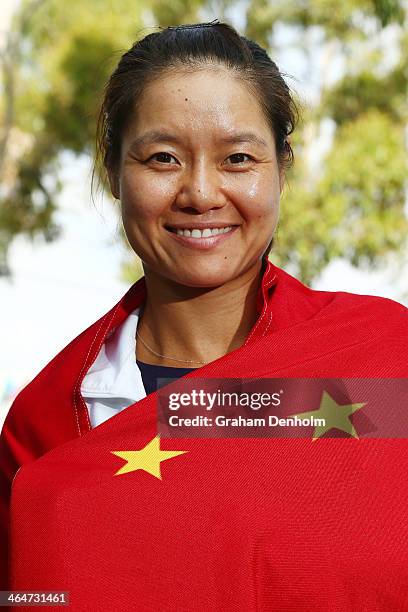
(124,520)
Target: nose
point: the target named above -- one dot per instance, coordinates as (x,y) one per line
(200,189)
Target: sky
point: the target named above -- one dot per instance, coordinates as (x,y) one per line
(59,289)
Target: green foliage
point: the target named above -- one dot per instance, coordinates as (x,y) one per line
(356,209)
(355,94)
(176,12)
(388,11)
(65,55)
(30,206)
(260,19)
(368,190)
(132,269)
(70,108)
(339,19)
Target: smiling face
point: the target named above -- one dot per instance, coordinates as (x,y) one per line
(199,155)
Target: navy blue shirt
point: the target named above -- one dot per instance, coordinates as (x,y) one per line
(150,374)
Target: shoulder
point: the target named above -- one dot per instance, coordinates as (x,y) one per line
(338,332)
(369,306)
(297,302)
(375,324)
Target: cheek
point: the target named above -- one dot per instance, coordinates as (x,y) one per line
(143,200)
(260,198)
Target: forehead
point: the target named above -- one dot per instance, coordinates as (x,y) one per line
(205,102)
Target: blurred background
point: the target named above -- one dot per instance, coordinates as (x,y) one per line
(64,260)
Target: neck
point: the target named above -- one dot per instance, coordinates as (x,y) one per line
(193,323)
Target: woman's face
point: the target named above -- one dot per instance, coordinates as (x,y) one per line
(198,156)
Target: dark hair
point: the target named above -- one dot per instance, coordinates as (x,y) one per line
(188,48)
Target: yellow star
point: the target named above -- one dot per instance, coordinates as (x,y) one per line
(334,415)
(147,459)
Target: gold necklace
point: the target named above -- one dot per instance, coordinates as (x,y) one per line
(166,356)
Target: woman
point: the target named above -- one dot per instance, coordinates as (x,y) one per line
(194,134)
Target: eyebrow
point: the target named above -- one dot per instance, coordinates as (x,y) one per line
(154,136)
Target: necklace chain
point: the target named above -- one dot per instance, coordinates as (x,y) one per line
(166,356)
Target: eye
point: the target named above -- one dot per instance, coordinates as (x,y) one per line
(164,158)
(162,154)
(240,155)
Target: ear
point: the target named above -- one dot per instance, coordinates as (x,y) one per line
(114,184)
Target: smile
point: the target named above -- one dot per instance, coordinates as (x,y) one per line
(197,233)
(202,239)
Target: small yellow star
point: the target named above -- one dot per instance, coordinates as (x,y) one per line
(147,459)
(335,416)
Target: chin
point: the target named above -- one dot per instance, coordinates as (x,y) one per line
(203,277)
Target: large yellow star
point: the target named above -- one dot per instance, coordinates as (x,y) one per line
(147,459)
(335,416)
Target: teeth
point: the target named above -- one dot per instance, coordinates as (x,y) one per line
(196,233)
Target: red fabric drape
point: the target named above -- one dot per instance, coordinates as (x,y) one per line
(233,524)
